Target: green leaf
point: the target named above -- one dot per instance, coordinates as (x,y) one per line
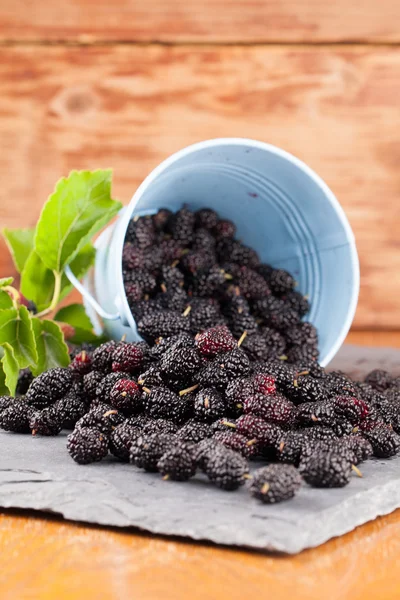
(16,330)
(37,281)
(52,349)
(4,391)
(6,281)
(83,335)
(79,207)
(9,370)
(75,315)
(79,266)
(5,300)
(20,244)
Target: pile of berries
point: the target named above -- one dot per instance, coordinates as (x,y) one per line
(185,271)
(198,403)
(227,374)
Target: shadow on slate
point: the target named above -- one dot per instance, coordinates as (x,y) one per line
(37,473)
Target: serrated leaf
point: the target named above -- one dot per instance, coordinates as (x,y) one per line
(79,207)
(5,300)
(4,391)
(52,349)
(20,243)
(75,315)
(6,281)
(37,281)
(16,330)
(79,266)
(9,370)
(84,335)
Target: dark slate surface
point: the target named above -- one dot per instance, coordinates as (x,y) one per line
(37,473)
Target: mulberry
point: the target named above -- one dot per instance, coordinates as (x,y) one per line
(104,387)
(16,417)
(182,226)
(327,469)
(126,396)
(379,379)
(90,383)
(215,341)
(127,357)
(274,409)
(161,218)
(121,440)
(385,442)
(146,450)
(70,409)
(87,445)
(208,405)
(237,442)
(275,483)
(207,218)
(162,403)
(194,431)
(226,468)
(178,462)
(180,362)
(281,282)
(49,387)
(25,378)
(162,324)
(46,422)
(225,229)
(81,364)
(102,357)
(225,367)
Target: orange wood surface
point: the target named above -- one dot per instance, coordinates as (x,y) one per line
(201,20)
(83,85)
(47,560)
(129,107)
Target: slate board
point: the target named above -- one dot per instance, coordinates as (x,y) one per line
(37,473)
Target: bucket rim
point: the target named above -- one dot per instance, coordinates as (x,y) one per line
(129,210)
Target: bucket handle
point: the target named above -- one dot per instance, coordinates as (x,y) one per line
(89,298)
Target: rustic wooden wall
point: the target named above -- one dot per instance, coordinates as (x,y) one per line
(88,84)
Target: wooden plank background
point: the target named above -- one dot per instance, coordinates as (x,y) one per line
(65,105)
(201,20)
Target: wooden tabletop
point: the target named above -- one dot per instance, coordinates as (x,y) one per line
(88,84)
(53,559)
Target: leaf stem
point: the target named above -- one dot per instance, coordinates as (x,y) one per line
(13,293)
(56,296)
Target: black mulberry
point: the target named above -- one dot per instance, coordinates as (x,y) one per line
(87,445)
(146,450)
(178,462)
(49,387)
(226,468)
(46,422)
(275,483)
(121,440)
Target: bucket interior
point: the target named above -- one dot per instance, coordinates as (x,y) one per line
(282,210)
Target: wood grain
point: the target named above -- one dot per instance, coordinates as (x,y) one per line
(46,559)
(374,338)
(128,107)
(55,559)
(200,20)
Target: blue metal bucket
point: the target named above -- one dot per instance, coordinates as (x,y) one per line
(281,208)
